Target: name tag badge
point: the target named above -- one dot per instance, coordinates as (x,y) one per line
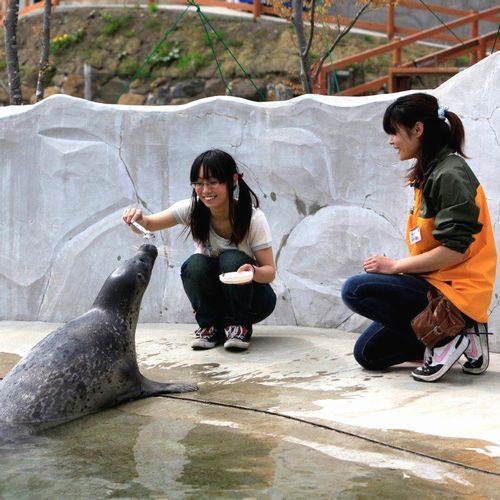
(415,235)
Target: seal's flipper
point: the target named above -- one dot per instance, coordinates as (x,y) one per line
(151,388)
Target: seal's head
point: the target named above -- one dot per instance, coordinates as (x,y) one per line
(125,286)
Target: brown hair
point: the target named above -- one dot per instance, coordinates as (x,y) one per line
(407,110)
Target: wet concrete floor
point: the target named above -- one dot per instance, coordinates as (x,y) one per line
(293,416)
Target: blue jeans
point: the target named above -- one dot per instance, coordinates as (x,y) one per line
(220,305)
(391,301)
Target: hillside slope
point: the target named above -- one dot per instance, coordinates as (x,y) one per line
(115,42)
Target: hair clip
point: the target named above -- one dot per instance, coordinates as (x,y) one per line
(442,112)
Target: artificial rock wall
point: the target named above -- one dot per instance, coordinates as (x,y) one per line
(327,179)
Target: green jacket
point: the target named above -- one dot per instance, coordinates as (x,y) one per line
(451,210)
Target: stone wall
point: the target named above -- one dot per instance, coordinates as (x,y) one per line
(329,183)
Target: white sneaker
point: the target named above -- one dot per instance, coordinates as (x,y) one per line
(478,352)
(238,338)
(206,338)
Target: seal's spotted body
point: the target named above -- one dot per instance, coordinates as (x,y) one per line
(89,363)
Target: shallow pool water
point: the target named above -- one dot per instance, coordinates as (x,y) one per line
(167,448)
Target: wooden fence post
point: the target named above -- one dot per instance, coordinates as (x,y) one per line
(256,9)
(481,48)
(390,21)
(396,55)
(474,33)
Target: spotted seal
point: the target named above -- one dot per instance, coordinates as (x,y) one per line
(89,363)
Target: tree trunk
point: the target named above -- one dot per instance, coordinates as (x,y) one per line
(10,28)
(298,24)
(44,56)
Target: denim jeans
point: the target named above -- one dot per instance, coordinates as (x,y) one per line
(217,304)
(391,301)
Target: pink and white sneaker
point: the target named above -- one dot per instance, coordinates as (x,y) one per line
(478,352)
(440,359)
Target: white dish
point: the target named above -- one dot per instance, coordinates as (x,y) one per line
(236,278)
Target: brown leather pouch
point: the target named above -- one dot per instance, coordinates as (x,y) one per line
(440,319)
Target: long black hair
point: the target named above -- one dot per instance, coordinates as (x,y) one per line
(407,110)
(221,165)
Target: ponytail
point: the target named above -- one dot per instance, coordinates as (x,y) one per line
(407,110)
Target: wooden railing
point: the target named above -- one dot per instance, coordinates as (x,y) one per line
(476,46)
(29,6)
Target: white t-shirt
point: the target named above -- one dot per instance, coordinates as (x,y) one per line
(257,238)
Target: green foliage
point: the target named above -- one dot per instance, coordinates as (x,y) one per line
(165,53)
(128,66)
(213,39)
(462,61)
(153,8)
(192,61)
(62,42)
(48,74)
(114,23)
(234,42)
(152,23)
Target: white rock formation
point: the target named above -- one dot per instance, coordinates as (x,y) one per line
(329,183)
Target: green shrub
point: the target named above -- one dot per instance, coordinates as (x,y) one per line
(128,66)
(152,23)
(62,42)
(114,23)
(153,8)
(165,53)
(462,61)
(234,42)
(192,61)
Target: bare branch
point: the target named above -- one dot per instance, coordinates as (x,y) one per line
(337,40)
(311,27)
(44,56)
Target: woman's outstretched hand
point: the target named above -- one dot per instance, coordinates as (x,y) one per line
(380,264)
(130,215)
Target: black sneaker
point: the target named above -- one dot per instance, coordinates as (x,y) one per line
(238,338)
(206,338)
(478,352)
(440,359)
